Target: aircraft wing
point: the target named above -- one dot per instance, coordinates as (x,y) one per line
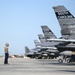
(47,47)
(62,40)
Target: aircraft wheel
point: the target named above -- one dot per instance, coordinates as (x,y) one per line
(60,61)
(68,60)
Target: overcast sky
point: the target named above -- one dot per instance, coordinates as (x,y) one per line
(20,21)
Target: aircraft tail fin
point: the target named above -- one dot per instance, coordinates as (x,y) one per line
(41,38)
(62,13)
(66,21)
(47,32)
(27,50)
(36,43)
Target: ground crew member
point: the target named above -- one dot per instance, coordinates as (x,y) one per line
(6,53)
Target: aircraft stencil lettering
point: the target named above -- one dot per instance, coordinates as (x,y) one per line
(64,15)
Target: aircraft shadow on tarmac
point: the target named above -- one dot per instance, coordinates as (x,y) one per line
(67,70)
(56,63)
(66,64)
(62,64)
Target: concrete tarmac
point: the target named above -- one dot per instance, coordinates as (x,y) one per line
(25,66)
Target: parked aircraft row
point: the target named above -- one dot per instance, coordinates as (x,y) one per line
(50,46)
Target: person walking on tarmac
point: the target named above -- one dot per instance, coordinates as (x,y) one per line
(6,53)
